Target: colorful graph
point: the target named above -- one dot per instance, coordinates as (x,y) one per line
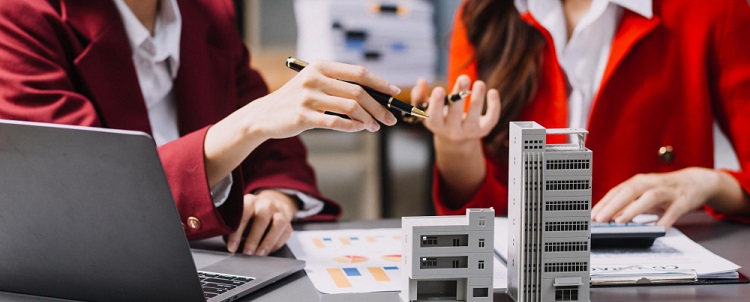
(320,241)
(350,259)
(339,278)
(345,276)
(323,242)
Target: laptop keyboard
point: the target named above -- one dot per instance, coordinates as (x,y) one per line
(215,284)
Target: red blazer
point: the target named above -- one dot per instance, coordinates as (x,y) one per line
(666,81)
(69,62)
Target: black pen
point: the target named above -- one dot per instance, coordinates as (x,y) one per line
(449,99)
(382,98)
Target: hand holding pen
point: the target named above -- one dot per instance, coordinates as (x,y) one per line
(322,86)
(384,99)
(451,123)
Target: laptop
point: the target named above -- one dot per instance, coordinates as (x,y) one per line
(87,214)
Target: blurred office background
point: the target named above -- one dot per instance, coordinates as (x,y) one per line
(372,175)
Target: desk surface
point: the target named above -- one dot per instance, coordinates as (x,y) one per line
(729,240)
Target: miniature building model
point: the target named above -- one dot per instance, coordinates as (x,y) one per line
(448,257)
(549,213)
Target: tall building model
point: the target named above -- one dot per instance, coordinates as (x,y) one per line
(549,210)
(448,257)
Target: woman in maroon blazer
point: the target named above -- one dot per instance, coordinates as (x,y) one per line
(70,62)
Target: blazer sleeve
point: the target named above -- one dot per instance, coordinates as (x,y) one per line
(730,67)
(493,191)
(277,163)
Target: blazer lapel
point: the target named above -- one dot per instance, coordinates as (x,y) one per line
(105,64)
(632,29)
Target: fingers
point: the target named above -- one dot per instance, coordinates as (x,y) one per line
(622,195)
(352,100)
(611,207)
(336,123)
(362,98)
(489,120)
(462,121)
(676,210)
(455,114)
(462,83)
(261,221)
(435,109)
(233,241)
(420,93)
(270,228)
(477,102)
(645,202)
(274,236)
(284,237)
(322,102)
(604,201)
(356,74)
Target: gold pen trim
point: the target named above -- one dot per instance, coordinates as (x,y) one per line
(295,64)
(416,112)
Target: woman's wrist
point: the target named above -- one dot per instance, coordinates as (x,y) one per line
(728,196)
(462,170)
(227,144)
(459,148)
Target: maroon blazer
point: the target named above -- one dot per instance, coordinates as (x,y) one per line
(69,62)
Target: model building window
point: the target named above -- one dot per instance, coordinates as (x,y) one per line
(481,264)
(481,221)
(481,292)
(481,242)
(429,240)
(429,262)
(566,294)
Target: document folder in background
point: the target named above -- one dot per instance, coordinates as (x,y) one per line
(640,275)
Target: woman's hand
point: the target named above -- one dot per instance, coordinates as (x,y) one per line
(451,123)
(266,219)
(674,193)
(458,145)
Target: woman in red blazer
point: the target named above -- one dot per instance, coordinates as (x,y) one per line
(70,62)
(668,76)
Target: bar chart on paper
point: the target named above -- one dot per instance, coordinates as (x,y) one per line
(350,261)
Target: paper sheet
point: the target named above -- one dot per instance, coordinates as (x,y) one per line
(674,252)
(358,260)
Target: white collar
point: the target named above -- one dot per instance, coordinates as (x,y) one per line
(167,31)
(644,8)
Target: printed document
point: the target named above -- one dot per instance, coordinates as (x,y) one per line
(359,260)
(673,254)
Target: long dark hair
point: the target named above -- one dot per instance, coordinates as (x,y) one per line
(508,58)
